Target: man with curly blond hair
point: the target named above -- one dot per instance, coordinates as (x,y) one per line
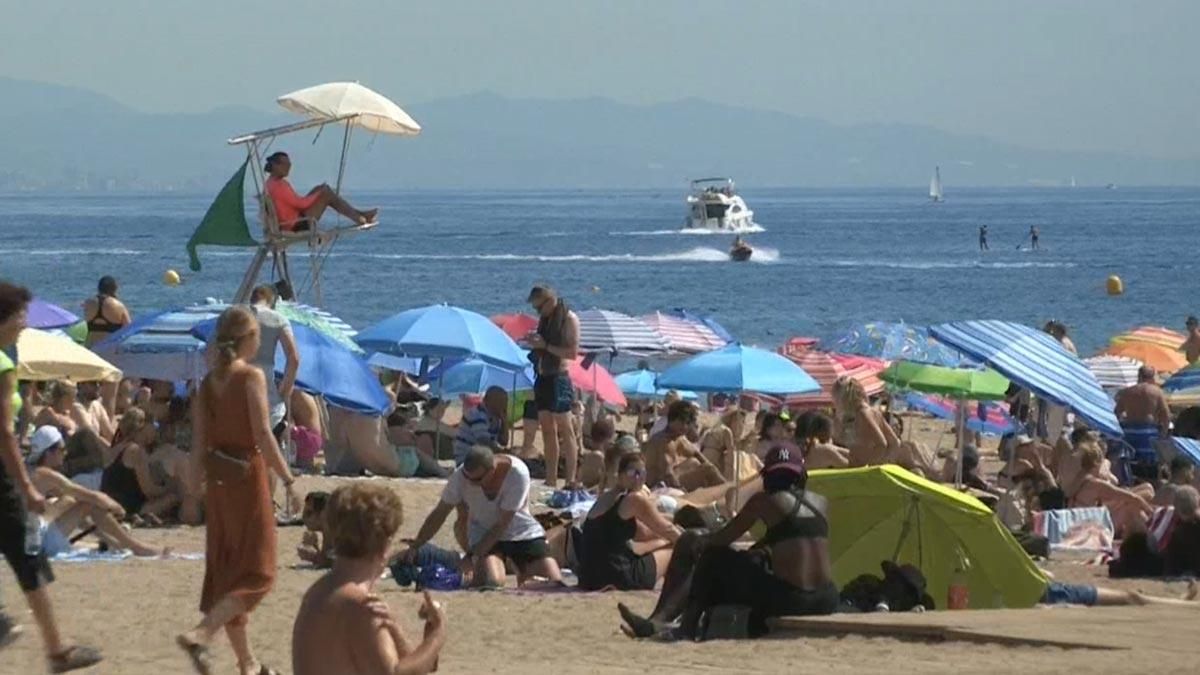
(342,626)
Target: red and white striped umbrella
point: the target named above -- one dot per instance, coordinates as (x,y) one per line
(688,337)
(826,368)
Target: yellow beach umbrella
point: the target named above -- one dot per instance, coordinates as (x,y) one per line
(45,356)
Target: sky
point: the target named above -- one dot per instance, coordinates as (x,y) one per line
(1104,75)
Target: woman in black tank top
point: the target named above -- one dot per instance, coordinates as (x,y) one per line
(626,541)
(101,324)
(705,572)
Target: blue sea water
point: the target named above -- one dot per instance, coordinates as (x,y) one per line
(828,258)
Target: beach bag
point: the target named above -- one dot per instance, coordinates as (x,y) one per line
(727,622)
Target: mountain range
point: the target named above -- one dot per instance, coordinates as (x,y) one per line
(62,138)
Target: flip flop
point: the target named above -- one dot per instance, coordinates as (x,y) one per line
(198,653)
(74,658)
(638,627)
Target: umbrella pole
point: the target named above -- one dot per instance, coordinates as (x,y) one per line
(961,416)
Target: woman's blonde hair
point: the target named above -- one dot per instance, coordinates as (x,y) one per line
(234,325)
(1090,456)
(848,392)
(362,518)
(62,388)
(131,422)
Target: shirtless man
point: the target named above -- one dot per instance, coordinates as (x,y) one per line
(671,457)
(1144,403)
(555,344)
(1191,347)
(74,506)
(343,626)
(298,214)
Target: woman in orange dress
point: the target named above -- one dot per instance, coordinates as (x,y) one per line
(233,447)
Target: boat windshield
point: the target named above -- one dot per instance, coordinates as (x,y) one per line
(721,185)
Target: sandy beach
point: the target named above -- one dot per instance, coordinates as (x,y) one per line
(132,609)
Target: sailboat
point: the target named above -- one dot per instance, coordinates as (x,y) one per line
(935,185)
(1073,183)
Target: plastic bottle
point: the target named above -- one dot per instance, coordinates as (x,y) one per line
(958,595)
(33,534)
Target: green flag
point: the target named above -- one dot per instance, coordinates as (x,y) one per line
(225,223)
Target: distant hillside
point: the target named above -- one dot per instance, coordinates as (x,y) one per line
(54,137)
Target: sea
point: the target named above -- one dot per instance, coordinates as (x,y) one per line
(825,260)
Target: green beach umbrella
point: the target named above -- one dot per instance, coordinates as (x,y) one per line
(960,383)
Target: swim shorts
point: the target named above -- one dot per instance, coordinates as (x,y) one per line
(522,553)
(32,571)
(1069,594)
(554,393)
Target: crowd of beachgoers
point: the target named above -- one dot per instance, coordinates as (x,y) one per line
(707,504)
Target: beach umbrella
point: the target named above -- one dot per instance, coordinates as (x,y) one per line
(349,100)
(887,513)
(43,356)
(1113,372)
(684,336)
(1157,335)
(46,316)
(400,364)
(960,383)
(1184,380)
(1034,360)
(473,376)
(737,368)
(997,423)
(826,369)
(640,384)
(593,378)
(321,321)
(327,369)
(443,331)
(897,341)
(1187,447)
(516,326)
(162,345)
(603,330)
(1164,359)
(704,320)
(799,345)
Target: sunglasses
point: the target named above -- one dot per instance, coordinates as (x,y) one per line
(635,473)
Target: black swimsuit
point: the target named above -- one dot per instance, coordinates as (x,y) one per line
(608,560)
(100,324)
(120,482)
(725,576)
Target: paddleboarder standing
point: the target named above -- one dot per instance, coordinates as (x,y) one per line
(983,245)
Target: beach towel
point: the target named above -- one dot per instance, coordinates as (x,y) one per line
(1160,526)
(1085,529)
(88,555)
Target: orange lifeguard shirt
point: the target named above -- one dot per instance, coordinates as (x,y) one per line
(289,206)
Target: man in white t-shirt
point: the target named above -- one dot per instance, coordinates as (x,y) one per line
(493,490)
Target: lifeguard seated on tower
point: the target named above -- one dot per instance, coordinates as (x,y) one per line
(300,214)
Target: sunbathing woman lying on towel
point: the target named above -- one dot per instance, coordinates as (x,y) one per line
(787,572)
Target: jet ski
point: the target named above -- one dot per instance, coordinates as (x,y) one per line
(741,251)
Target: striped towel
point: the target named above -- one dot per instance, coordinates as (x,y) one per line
(1085,529)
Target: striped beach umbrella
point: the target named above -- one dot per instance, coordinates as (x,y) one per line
(895,342)
(1164,359)
(1185,380)
(826,368)
(683,335)
(1158,335)
(1034,360)
(603,330)
(1114,372)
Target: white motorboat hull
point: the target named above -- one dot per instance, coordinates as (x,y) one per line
(726,214)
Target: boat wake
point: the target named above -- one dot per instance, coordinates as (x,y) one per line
(752,229)
(699,254)
(940,265)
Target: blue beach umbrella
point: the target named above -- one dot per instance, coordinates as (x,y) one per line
(401,364)
(997,423)
(1183,380)
(704,320)
(897,341)
(473,376)
(161,346)
(442,331)
(1034,360)
(327,369)
(738,368)
(641,384)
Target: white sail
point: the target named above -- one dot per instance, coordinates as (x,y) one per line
(1073,181)
(935,185)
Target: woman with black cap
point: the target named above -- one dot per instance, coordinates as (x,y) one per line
(787,572)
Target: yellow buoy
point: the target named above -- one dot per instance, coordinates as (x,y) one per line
(1115,285)
(171,278)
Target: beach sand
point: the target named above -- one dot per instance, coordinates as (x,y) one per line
(132,609)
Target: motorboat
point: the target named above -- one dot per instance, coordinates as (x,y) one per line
(714,204)
(740,251)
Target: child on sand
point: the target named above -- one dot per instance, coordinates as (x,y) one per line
(315,544)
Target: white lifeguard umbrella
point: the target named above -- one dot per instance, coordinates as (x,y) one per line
(351,101)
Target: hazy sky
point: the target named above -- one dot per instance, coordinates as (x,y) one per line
(1094,74)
